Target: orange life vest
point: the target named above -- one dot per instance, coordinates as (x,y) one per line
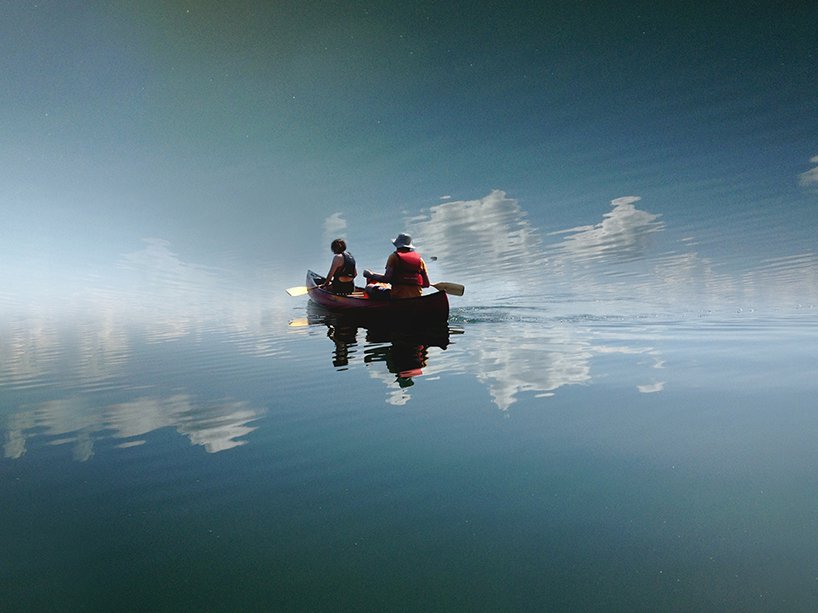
(408,269)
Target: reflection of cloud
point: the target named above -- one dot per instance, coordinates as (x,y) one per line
(511,359)
(507,358)
(652,388)
(103,349)
(334,227)
(615,261)
(492,240)
(494,233)
(160,267)
(33,350)
(216,427)
(809,179)
(399,387)
(541,362)
(172,299)
(491,232)
(14,441)
(28,349)
(151,286)
(173,294)
(67,420)
(621,234)
(397,396)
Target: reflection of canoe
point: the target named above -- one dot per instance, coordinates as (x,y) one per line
(344,326)
(430,306)
(402,345)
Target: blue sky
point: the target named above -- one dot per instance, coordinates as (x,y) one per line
(234,131)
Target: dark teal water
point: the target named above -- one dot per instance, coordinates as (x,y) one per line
(519,458)
(620,413)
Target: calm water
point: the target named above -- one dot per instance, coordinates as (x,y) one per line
(617,415)
(520,457)
(620,413)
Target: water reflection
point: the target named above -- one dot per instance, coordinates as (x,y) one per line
(541,314)
(512,360)
(78,422)
(94,379)
(809,179)
(402,350)
(623,234)
(526,355)
(629,255)
(491,235)
(510,352)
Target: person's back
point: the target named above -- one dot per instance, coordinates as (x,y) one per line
(342,272)
(405,270)
(407,280)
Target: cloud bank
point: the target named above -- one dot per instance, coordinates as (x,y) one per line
(622,234)
(334,227)
(809,179)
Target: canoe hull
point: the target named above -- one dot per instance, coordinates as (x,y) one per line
(430,306)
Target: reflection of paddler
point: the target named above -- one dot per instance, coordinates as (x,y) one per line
(404,359)
(343,336)
(404,349)
(405,270)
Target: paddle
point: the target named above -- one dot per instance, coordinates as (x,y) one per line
(454,289)
(297,291)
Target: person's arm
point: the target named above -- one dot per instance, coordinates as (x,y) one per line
(424,274)
(337,262)
(386,277)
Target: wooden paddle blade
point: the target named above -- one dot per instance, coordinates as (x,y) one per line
(297,291)
(455,289)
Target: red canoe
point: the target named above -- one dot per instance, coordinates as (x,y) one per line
(431,305)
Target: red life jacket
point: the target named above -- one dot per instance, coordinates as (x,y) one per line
(408,270)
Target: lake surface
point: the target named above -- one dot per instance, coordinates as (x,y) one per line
(620,413)
(538,451)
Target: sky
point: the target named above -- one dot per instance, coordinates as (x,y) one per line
(241,136)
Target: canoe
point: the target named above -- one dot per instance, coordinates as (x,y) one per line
(429,306)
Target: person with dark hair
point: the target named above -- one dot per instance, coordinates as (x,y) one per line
(342,272)
(405,270)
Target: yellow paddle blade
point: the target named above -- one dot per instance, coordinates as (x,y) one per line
(297,291)
(455,289)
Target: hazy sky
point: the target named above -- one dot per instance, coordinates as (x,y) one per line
(246,129)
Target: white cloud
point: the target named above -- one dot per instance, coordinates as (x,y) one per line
(809,179)
(492,231)
(334,226)
(621,234)
(215,426)
(542,361)
(652,388)
(172,293)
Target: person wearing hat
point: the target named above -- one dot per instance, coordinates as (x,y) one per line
(405,270)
